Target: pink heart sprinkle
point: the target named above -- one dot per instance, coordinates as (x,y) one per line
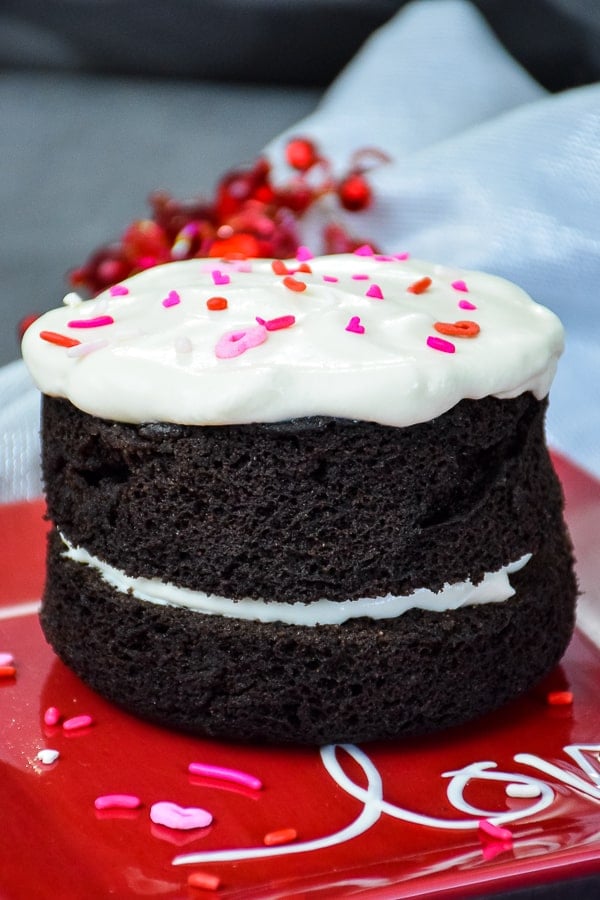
(234,343)
(364,250)
(219,277)
(173,816)
(118,290)
(460,286)
(466,304)
(354,326)
(375,292)
(303,254)
(440,344)
(172,299)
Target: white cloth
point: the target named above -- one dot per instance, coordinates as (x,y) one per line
(488,171)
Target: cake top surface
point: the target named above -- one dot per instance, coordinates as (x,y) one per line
(359,336)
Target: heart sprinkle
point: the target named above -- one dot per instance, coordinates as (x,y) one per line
(234,343)
(172,299)
(48,756)
(354,326)
(374,292)
(173,816)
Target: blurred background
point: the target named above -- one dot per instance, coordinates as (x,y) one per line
(105,101)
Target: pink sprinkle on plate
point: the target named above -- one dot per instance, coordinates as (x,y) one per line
(75,723)
(117,801)
(179,817)
(52,716)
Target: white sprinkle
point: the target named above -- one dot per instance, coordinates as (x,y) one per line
(6,659)
(522,791)
(86,347)
(183,345)
(48,756)
(72,299)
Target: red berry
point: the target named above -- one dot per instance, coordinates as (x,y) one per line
(354,193)
(301,154)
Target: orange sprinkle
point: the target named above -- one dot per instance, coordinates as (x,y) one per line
(279,267)
(293,285)
(216,303)
(53,337)
(283,836)
(419,286)
(204,880)
(7,671)
(464,328)
(559,698)
(304,267)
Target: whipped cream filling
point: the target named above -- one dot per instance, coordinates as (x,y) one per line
(495,587)
(355,337)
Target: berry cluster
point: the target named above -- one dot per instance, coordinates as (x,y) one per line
(248,216)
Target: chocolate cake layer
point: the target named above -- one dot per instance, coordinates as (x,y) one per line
(358,681)
(309,509)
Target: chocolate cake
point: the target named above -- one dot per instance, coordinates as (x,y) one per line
(320,509)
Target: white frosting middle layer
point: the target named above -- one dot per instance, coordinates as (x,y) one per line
(493,588)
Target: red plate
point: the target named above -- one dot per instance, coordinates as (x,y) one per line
(376,821)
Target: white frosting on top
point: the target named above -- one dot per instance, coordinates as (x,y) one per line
(493,588)
(157,360)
